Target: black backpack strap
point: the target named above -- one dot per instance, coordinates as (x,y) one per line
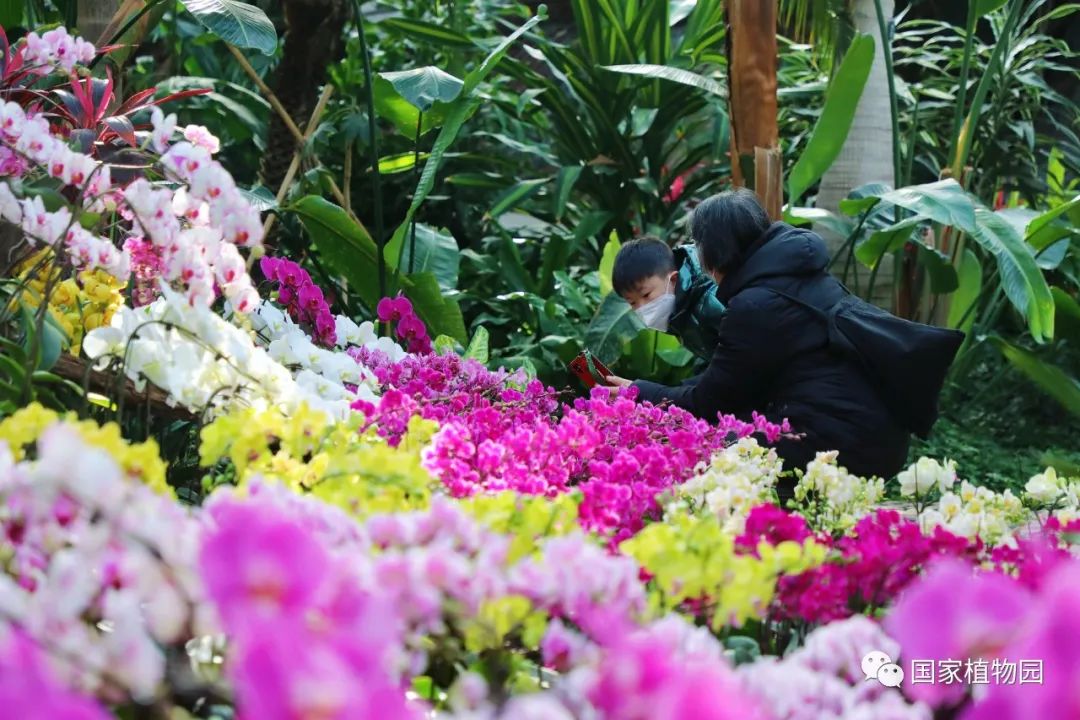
(817,310)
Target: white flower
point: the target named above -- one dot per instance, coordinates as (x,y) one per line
(1045,487)
(164,127)
(926,475)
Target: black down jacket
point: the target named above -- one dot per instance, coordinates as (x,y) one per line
(771,356)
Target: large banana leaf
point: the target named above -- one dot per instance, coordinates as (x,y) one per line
(614,325)
(237,23)
(1066,316)
(1021,278)
(436,253)
(1050,378)
(887,240)
(944,201)
(831,129)
(607,264)
(962,308)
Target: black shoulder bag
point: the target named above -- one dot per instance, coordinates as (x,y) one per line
(907,361)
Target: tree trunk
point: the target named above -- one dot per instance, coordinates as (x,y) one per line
(312,42)
(867,153)
(752,62)
(94,17)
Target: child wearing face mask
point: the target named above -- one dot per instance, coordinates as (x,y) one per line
(669,292)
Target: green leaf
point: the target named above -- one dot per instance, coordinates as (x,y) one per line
(401,162)
(480,346)
(969,280)
(650,346)
(887,240)
(1046,229)
(943,202)
(477,76)
(943,278)
(831,129)
(429,32)
(460,111)
(510,199)
(50,342)
(1021,278)
(863,198)
(672,74)
(237,23)
(1050,378)
(679,10)
(436,252)
(1066,315)
(444,345)
(11,13)
(607,264)
(343,244)
(985,7)
(259,198)
(564,185)
(614,325)
(424,86)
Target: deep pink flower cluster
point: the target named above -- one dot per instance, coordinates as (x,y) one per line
(500,432)
(305,639)
(407,326)
(619,454)
(147,267)
(303,299)
(441,387)
(773,525)
(877,559)
(1036,557)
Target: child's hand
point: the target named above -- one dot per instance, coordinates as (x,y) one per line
(618,381)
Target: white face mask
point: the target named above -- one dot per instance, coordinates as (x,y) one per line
(656,313)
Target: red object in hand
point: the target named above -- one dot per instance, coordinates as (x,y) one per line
(580,367)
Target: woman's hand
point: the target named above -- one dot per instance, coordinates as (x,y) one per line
(618,381)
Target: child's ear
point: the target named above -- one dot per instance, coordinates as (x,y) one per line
(673,277)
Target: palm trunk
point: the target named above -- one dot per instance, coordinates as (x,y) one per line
(94,17)
(867,153)
(752,62)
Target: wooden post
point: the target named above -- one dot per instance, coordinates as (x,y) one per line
(752,64)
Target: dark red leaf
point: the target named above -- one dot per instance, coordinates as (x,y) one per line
(123,128)
(134,102)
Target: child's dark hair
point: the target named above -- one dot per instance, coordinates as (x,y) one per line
(640,259)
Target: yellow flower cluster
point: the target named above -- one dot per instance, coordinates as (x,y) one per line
(527,519)
(78,304)
(335,461)
(694,558)
(140,461)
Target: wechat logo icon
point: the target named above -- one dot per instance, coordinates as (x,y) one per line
(877,665)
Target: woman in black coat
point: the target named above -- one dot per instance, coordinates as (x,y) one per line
(771,355)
